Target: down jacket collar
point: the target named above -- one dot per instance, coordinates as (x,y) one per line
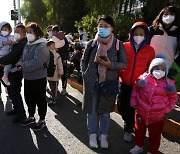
(38,41)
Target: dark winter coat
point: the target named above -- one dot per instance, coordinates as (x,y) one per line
(89,73)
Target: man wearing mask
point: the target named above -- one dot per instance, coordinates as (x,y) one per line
(49,31)
(83,37)
(15,76)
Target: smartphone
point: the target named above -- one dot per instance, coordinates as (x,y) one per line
(103,58)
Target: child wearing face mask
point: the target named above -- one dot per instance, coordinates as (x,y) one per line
(165,34)
(5,47)
(55,71)
(139,56)
(153,95)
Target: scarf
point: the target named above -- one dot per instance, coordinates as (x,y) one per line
(104,44)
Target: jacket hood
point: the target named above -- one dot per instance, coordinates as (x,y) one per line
(4,23)
(41,40)
(145,27)
(158,62)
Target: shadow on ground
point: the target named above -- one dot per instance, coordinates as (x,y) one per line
(15,139)
(70,114)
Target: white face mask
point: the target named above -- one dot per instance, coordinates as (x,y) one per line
(4,33)
(158,74)
(16,37)
(138,39)
(30,37)
(58,43)
(168,19)
(50,33)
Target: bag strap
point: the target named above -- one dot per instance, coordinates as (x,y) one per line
(118,48)
(117,45)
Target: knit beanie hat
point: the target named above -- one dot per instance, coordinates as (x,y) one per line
(160,60)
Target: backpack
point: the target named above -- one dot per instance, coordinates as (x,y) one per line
(51,68)
(64,51)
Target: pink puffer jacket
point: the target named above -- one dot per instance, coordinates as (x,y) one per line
(153,101)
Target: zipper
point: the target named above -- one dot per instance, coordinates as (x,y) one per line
(133,67)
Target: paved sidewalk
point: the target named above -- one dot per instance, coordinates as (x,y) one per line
(66,132)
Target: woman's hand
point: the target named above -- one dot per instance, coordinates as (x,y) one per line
(18,64)
(106,63)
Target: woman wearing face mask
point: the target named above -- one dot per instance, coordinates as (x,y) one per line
(34,65)
(165,34)
(100,63)
(153,96)
(139,56)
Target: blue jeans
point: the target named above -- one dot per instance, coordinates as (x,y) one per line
(93,116)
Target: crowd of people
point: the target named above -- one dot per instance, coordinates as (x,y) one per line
(136,73)
(141,66)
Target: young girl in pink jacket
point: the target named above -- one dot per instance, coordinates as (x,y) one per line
(153,95)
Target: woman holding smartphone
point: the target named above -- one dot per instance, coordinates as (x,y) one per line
(100,63)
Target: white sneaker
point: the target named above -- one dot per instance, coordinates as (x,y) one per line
(127,137)
(93,141)
(103,141)
(136,150)
(63,92)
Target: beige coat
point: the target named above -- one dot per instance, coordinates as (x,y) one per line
(59,68)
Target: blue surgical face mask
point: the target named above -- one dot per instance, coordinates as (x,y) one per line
(104,32)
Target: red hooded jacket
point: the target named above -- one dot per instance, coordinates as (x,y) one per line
(138,61)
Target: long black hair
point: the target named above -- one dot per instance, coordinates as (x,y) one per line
(172,10)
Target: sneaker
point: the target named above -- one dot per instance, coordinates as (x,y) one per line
(12,112)
(136,150)
(40,125)
(6,80)
(127,137)
(28,121)
(93,141)
(103,141)
(51,102)
(19,118)
(63,92)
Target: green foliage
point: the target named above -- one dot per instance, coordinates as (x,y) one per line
(123,24)
(34,10)
(59,12)
(89,23)
(71,14)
